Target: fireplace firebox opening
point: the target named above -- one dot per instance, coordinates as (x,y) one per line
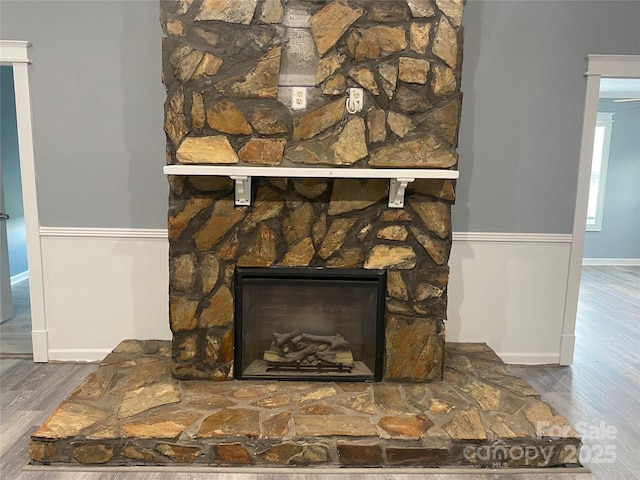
(309,324)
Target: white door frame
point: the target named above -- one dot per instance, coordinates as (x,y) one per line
(15,53)
(598,67)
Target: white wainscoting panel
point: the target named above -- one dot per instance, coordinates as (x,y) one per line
(106,285)
(508,290)
(103,286)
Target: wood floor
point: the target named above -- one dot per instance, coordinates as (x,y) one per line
(601,390)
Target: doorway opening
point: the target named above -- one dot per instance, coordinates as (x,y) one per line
(15,306)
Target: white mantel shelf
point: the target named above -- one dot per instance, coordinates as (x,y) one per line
(398,178)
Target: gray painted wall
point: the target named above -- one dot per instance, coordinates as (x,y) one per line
(524,89)
(11,187)
(97,101)
(620,234)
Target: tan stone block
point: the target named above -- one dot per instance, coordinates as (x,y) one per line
(226,117)
(298,224)
(220,310)
(376,125)
(452,9)
(93,453)
(343,425)
(211,350)
(230,11)
(42,452)
(275,401)
(145,398)
(311,123)
(331,22)
(272,11)
(389,74)
(318,410)
(361,402)
(385,256)
(414,349)
(215,149)
(276,426)
(421,8)
(327,66)
(182,313)
(437,250)
(444,80)
(466,425)
(175,27)
(184,60)
(175,123)
(336,236)
(197,112)
(300,254)
(396,287)
(435,216)
(209,272)
(376,42)
(137,452)
(208,66)
(166,426)
(266,122)
(399,124)
(231,421)
(224,216)
(336,85)
(183,6)
(419,37)
(393,232)
(445,43)
(412,428)
(267,204)
(181,454)
(262,252)
(229,248)
(365,77)
(208,183)
(350,195)
(413,70)
(232,454)
(426,151)
(351,144)
(263,151)
(396,215)
(259,81)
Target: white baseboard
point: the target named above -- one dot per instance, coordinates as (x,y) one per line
(78,354)
(530,358)
(20,277)
(612,261)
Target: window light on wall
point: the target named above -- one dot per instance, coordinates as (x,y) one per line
(599,164)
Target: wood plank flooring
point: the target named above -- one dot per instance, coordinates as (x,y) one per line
(602,386)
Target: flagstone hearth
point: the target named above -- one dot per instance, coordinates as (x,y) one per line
(131,411)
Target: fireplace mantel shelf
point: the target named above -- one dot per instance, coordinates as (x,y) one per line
(398,178)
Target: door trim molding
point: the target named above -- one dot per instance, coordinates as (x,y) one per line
(598,67)
(16,54)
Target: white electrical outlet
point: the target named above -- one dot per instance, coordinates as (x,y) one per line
(355,101)
(298,98)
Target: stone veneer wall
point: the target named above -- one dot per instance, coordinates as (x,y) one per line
(221,65)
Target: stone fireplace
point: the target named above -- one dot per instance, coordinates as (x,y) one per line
(231,68)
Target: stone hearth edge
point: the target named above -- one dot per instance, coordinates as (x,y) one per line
(131,411)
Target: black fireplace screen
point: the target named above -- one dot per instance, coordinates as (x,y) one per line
(309,323)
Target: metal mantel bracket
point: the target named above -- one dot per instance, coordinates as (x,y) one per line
(397,186)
